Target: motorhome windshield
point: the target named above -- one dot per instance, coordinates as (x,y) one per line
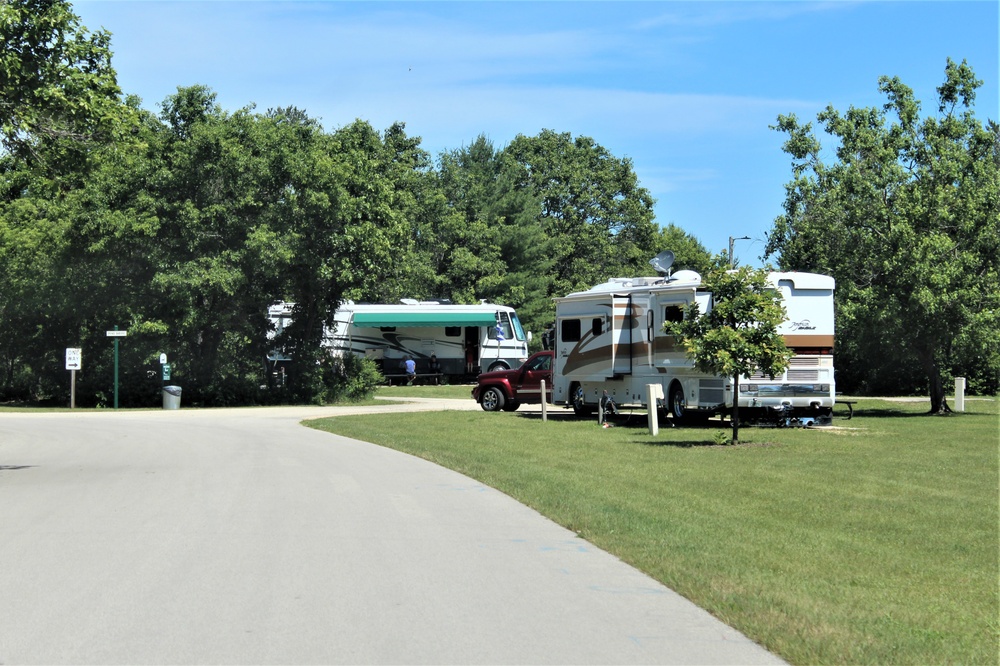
(518,331)
(510,325)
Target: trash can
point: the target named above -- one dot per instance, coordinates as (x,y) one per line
(171,397)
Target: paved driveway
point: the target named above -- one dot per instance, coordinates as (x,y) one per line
(237,536)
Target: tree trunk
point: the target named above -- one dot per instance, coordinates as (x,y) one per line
(736,410)
(939,404)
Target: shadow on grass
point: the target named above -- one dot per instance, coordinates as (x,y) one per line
(557,416)
(890,413)
(683,444)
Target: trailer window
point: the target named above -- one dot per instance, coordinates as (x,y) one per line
(673,314)
(569,330)
(596,326)
(453,331)
(387,329)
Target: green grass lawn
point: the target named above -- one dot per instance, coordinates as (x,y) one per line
(458,391)
(875,542)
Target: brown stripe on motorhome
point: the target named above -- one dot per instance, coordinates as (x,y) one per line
(808,341)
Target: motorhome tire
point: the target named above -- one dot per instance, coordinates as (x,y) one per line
(677,402)
(580,406)
(499,366)
(493,400)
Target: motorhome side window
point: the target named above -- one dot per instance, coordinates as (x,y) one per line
(596,326)
(673,314)
(504,326)
(569,330)
(453,331)
(387,329)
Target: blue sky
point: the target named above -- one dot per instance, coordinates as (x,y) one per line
(685,90)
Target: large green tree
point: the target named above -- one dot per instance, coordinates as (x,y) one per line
(345,229)
(60,109)
(482,239)
(188,233)
(688,251)
(596,216)
(57,86)
(907,219)
(544,216)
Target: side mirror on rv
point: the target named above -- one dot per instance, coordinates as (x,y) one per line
(529,335)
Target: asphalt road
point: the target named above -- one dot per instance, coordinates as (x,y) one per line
(240,537)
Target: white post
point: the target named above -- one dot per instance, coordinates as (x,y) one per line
(545,411)
(653,391)
(74,362)
(959,394)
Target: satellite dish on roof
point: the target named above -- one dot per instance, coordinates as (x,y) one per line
(662,262)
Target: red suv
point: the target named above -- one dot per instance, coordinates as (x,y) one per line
(509,389)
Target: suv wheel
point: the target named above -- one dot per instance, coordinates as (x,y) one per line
(493,400)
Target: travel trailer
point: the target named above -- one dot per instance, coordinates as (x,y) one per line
(465,339)
(611,338)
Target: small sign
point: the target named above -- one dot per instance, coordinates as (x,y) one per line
(166,372)
(117,334)
(74,358)
(163,359)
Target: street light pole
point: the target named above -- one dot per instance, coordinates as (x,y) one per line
(731,240)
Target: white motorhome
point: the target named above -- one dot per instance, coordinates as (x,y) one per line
(465,339)
(611,338)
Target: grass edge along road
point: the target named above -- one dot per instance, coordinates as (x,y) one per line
(875,542)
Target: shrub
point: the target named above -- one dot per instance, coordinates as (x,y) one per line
(351,377)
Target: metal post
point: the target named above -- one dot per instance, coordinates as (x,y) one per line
(959,394)
(72,389)
(731,240)
(116,369)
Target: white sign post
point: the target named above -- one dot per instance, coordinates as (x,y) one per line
(74,362)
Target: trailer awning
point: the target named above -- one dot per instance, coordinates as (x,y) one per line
(423,319)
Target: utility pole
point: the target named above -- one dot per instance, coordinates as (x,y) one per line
(732,264)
